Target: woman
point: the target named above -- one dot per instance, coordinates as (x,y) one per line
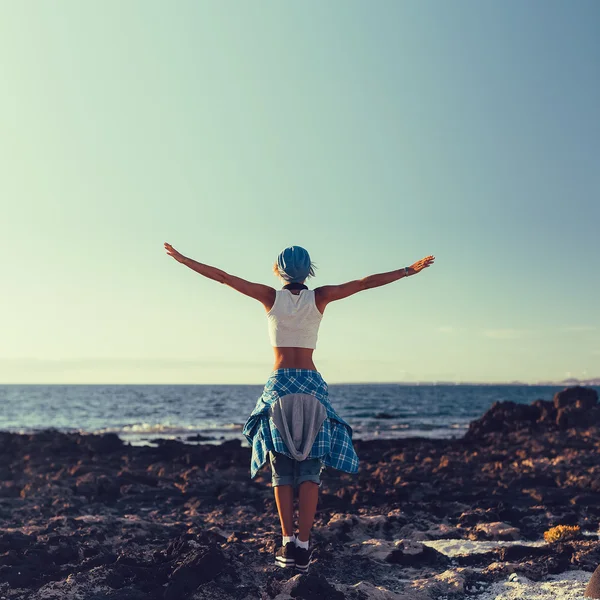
(293,423)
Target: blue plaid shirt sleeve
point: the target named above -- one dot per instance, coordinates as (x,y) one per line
(333,444)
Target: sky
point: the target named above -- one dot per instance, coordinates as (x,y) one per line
(370,134)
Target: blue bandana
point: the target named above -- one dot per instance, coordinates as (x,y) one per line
(293,264)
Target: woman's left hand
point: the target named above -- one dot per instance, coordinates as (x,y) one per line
(422,264)
(172,252)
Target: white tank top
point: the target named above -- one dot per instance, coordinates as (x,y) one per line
(294,320)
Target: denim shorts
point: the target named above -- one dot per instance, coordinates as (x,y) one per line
(287,471)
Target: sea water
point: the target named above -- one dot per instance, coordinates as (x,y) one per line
(142,413)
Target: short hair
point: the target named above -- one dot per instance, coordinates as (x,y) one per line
(311,271)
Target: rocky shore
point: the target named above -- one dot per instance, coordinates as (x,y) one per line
(89,517)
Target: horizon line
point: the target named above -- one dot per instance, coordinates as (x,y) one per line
(593,381)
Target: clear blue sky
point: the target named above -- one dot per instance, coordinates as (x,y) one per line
(371,134)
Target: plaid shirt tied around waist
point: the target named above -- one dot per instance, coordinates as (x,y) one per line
(333,444)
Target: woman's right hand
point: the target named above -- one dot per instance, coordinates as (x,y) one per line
(421,264)
(172,252)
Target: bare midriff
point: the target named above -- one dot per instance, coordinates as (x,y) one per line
(294,358)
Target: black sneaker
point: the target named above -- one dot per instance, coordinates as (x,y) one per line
(286,555)
(303,559)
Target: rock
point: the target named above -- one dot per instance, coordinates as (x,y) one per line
(503,416)
(572,407)
(443,531)
(499,570)
(346,527)
(126,593)
(98,486)
(64,553)
(81,518)
(105,443)
(19,576)
(593,587)
(15,540)
(473,517)
(495,531)
(533,570)
(311,587)
(585,398)
(198,438)
(409,553)
(569,416)
(383,415)
(519,553)
(450,582)
(587,555)
(547,411)
(364,590)
(197,568)
(379,550)
(586,499)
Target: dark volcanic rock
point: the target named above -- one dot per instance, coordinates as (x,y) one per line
(198,438)
(504,416)
(90,517)
(416,554)
(383,415)
(547,411)
(576,407)
(98,486)
(581,397)
(197,568)
(593,587)
(14,540)
(127,593)
(105,443)
(311,587)
(572,407)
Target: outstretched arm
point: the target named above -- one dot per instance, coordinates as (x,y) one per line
(262,293)
(329,293)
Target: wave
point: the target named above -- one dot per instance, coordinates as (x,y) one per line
(146,428)
(168,428)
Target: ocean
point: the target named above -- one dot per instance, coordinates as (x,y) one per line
(140,414)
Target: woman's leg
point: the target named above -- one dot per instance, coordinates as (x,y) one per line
(284,497)
(308,496)
(282,468)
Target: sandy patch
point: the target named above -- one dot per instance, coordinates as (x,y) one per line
(565,586)
(462,547)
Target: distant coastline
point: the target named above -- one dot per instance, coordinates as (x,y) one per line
(565,382)
(595,382)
